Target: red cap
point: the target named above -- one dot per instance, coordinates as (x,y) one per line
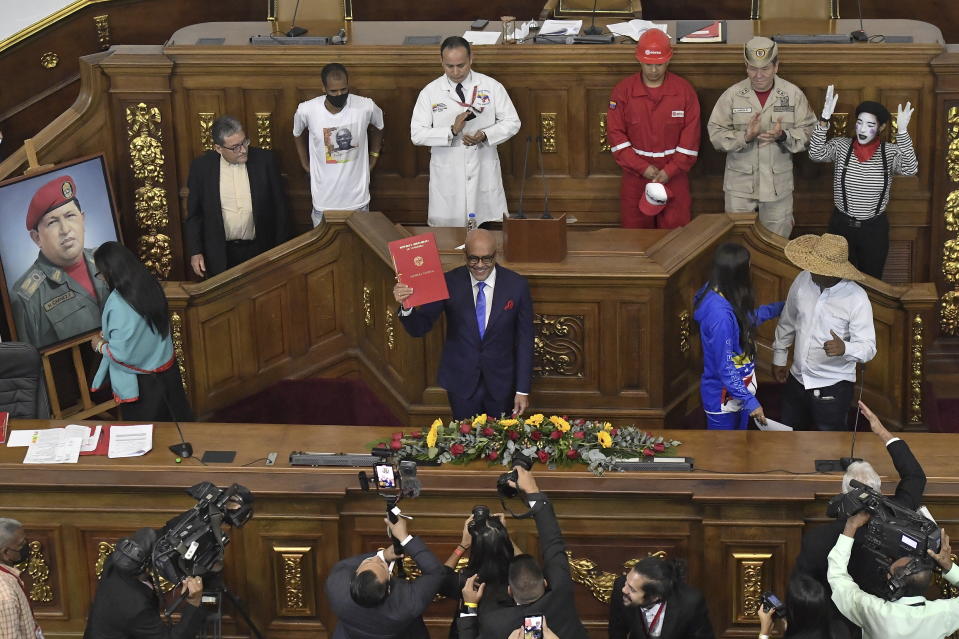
(51,195)
(654,200)
(653,47)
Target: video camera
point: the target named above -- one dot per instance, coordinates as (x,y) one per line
(893,531)
(392,481)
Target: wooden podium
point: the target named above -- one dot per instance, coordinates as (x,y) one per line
(535,239)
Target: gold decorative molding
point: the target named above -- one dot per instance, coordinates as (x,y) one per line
(603,141)
(587,573)
(145,135)
(176,332)
(949,313)
(952,152)
(103,30)
(840,125)
(558,345)
(367,305)
(264,130)
(390,330)
(294,581)
(684,332)
(36,566)
(49,60)
(547,129)
(949,302)
(40,25)
(749,575)
(915,372)
(951,211)
(206,129)
(104,548)
(947,590)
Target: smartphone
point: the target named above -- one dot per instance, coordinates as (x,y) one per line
(533,627)
(384,477)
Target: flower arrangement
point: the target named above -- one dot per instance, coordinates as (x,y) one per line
(555,440)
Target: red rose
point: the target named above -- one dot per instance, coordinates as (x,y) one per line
(396,444)
(648,452)
(514,435)
(543,456)
(660,447)
(555,434)
(397,436)
(572,454)
(579,434)
(487,432)
(614,432)
(466,428)
(579,422)
(457,449)
(493,456)
(416,434)
(536,435)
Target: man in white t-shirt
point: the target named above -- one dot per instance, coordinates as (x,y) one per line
(345,138)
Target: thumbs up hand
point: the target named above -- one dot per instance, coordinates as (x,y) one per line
(835,346)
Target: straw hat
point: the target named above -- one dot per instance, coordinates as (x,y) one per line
(823,255)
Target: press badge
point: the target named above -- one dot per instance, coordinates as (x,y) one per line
(679,114)
(742,109)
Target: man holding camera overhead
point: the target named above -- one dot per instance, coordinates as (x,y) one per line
(545,592)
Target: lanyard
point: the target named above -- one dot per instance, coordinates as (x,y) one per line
(472,99)
(652,624)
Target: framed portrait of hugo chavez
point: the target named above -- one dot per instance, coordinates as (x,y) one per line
(51,222)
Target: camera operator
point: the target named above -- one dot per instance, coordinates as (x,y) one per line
(652,600)
(809,613)
(370,604)
(908,617)
(817,543)
(16,617)
(534,591)
(127,607)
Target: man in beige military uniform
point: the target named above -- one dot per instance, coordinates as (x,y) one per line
(760,122)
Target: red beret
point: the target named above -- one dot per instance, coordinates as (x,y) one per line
(48,197)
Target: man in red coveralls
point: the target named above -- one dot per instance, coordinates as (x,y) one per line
(653,130)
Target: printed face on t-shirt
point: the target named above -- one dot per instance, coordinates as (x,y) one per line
(867,127)
(338,141)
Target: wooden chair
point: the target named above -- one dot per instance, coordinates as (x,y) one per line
(53,359)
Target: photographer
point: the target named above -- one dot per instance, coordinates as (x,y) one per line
(547,592)
(910,616)
(817,543)
(370,604)
(126,606)
(809,613)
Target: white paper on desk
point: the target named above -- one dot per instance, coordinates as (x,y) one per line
(90,435)
(772,424)
(21,438)
(130,441)
(53,446)
(635,28)
(482,37)
(561,27)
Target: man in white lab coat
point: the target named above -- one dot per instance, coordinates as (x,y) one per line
(462,116)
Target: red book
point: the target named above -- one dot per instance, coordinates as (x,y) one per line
(4,419)
(417,263)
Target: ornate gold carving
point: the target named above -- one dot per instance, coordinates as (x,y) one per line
(949,313)
(684,332)
(558,345)
(294,581)
(176,332)
(948,590)
(915,372)
(103,30)
(104,548)
(547,129)
(49,60)
(264,130)
(749,576)
(952,211)
(367,305)
(206,129)
(36,566)
(390,330)
(603,141)
(145,136)
(840,125)
(599,582)
(949,302)
(952,153)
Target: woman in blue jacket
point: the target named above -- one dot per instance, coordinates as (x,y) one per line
(727,317)
(135,340)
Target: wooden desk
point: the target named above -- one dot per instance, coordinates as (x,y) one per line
(738,524)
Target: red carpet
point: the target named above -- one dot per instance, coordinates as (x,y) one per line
(311,401)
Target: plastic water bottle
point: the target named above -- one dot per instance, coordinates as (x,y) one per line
(471,222)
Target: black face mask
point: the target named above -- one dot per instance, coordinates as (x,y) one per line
(338,101)
(22,556)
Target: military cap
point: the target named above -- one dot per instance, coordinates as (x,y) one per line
(760,51)
(51,195)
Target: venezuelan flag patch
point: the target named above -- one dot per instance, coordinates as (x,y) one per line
(612,104)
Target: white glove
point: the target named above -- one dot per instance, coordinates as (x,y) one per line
(831,99)
(905,114)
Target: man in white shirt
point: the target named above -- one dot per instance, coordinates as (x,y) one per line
(910,616)
(345,133)
(463,116)
(828,321)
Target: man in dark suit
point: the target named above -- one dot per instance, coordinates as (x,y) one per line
(548,592)
(652,600)
(236,208)
(863,567)
(487,363)
(370,604)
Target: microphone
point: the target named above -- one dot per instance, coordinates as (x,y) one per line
(860,34)
(845,461)
(542,174)
(339,38)
(593,29)
(522,188)
(295,31)
(184,449)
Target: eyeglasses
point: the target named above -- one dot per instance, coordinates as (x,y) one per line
(236,148)
(473,260)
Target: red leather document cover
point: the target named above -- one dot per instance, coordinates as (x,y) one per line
(417,263)
(4,420)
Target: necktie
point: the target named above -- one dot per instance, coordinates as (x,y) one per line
(481,308)
(462,96)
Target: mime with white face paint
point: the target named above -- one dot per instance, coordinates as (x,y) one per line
(862,177)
